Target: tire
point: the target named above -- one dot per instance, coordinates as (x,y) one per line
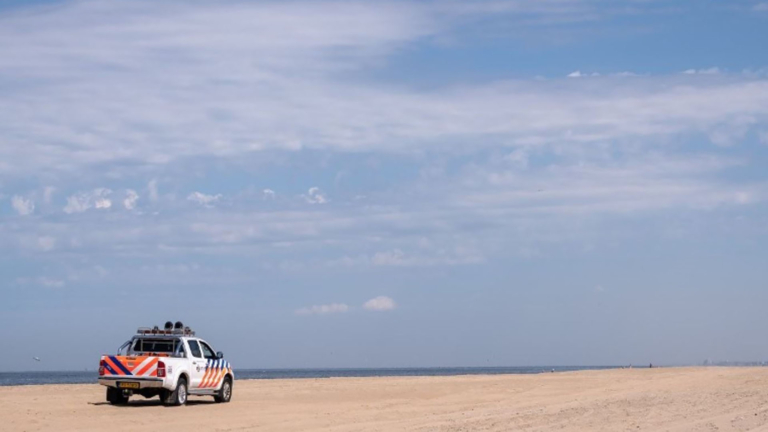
(178,396)
(225,392)
(116,396)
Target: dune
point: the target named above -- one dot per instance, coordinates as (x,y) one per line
(668,399)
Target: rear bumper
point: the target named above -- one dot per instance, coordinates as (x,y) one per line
(143,382)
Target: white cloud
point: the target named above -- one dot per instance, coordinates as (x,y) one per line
(102,203)
(541,202)
(763,137)
(131,197)
(76,204)
(760,7)
(51,283)
(729,135)
(389,258)
(203,199)
(291,94)
(80,202)
(380,303)
(23,206)
(648,106)
(397,258)
(644,184)
(518,158)
(323,309)
(48,194)
(743,198)
(580,74)
(153,193)
(315,196)
(268,194)
(707,71)
(172,268)
(46,243)
(43,281)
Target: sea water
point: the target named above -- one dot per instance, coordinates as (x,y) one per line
(90,377)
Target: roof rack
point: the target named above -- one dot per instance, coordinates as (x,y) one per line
(170,329)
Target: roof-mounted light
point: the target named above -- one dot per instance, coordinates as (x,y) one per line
(169,328)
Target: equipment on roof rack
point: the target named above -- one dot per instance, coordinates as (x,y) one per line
(169,329)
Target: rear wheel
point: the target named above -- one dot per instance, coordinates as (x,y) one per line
(177,397)
(116,396)
(225,393)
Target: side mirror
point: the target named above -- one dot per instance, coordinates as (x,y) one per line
(219,355)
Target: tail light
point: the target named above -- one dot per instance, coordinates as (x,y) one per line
(101,368)
(160,369)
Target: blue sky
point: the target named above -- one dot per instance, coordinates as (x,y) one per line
(360,184)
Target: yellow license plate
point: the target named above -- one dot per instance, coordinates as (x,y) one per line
(128,385)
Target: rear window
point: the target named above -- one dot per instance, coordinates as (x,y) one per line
(155,345)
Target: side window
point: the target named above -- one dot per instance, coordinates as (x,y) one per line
(180,350)
(208,351)
(194,348)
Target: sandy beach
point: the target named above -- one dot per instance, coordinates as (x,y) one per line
(667,399)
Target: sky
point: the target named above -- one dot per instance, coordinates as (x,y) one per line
(385,184)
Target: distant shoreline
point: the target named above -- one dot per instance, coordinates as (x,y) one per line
(90,377)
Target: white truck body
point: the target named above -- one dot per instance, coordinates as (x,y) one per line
(156,361)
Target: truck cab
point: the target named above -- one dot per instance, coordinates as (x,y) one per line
(171,363)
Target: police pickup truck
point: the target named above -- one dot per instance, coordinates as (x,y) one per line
(171,363)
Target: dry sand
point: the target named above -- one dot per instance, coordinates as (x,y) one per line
(674,399)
